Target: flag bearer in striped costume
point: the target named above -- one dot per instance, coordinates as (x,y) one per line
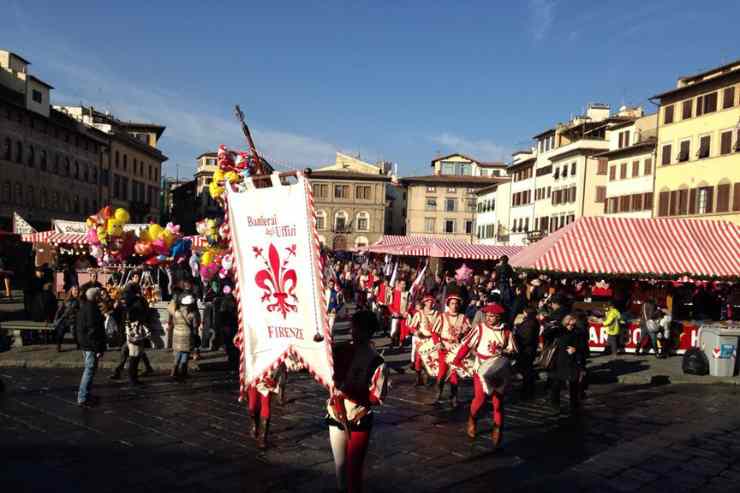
(492,344)
(399,309)
(453,327)
(425,324)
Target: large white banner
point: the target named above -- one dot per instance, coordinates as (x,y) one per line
(279,282)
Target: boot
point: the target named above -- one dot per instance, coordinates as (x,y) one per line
(254,429)
(496,436)
(59,348)
(440,390)
(116,374)
(470,427)
(453,395)
(419,379)
(183,373)
(262,435)
(174,373)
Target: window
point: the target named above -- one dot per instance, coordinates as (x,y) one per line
(31,157)
(321,220)
(683,151)
(686,109)
(612,173)
(362,192)
(704,147)
(471,204)
(526,224)
(320,190)
(648,167)
(624,203)
(449,205)
(468,227)
(602,166)
(736,197)
(647,201)
(706,104)
(431,189)
(673,209)
(363,221)
(8,149)
(668,114)
(683,202)
(565,171)
(728,98)
(600,194)
(431,204)
(635,169)
(451,190)
(340,221)
(117,156)
(546,170)
(663,199)
(725,143)
(623,171)
(737,141)
(429,225)
(37,96)
(666,155)
(125,162)
(42,163)
(449,225)
(19,152)
(341,192)
(723,197)
(700,200)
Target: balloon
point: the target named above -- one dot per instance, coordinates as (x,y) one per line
(227,261)
(106,212)
(122,215)
(194,265)
(96,251)
(201,227)
(207,258)
(143,248)
(144,235)
(115,227)
(173,228)
(160,247)
(92,237)
(180,247)
(232,177)
(168,237)
(102,235)
(154,231)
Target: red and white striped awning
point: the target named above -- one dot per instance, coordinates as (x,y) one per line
(663,247)
(197,241)
(428,246)
(55,238)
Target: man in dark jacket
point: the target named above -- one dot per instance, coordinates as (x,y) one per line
(527,335)
(91,336)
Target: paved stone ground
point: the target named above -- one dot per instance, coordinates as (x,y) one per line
(194,437)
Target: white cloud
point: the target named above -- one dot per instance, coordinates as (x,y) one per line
(483,149)
(541,17)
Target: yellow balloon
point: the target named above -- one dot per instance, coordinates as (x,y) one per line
(215,190)
(207,258)
(144,235)
(218,175)
(115,227)
(168,237)
(154,231)
(122,215)
(232,177)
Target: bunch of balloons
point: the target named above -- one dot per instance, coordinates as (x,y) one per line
(162,244)
(213,260)
(109,243)
(233,167)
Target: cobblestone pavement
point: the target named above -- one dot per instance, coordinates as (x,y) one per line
(194,437)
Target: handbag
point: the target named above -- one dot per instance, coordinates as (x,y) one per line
(545,359)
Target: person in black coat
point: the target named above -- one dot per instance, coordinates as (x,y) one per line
(227,323)
(527,335)
(569,362)
(91,336)
(518,303)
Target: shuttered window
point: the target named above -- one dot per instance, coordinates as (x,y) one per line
(728,98)
(600,194)
(673,209)
(635,169)
(668,114)
(663,199)
(725,143)
(623,171)
(666,155)
(624,203)
(736,197)
(704,144)
(647,201)
(723,197)
(683,201)
(637,202)
(692,201)
(603,164)
(686,108)
(612,173)
(648,166)
(684,150)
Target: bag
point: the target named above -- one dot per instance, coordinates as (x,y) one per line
(652,326)
(695,362)
(545,360)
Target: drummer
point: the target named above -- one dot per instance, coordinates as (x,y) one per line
(493,344)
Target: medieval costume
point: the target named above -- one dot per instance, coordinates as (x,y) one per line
(453,327)
(399,308)
(361,381)
(492,344)
(424,351)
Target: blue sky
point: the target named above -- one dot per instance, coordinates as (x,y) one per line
(396,80)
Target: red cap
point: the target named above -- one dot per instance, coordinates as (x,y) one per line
(493,308)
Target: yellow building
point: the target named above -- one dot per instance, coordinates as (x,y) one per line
(461,165)
(352,200)
(698,146)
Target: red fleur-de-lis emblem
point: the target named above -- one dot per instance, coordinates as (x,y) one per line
(277,281)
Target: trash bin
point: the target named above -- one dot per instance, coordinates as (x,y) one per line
(720,343)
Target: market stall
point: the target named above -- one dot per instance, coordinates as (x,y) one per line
(670,260)
(428,246)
